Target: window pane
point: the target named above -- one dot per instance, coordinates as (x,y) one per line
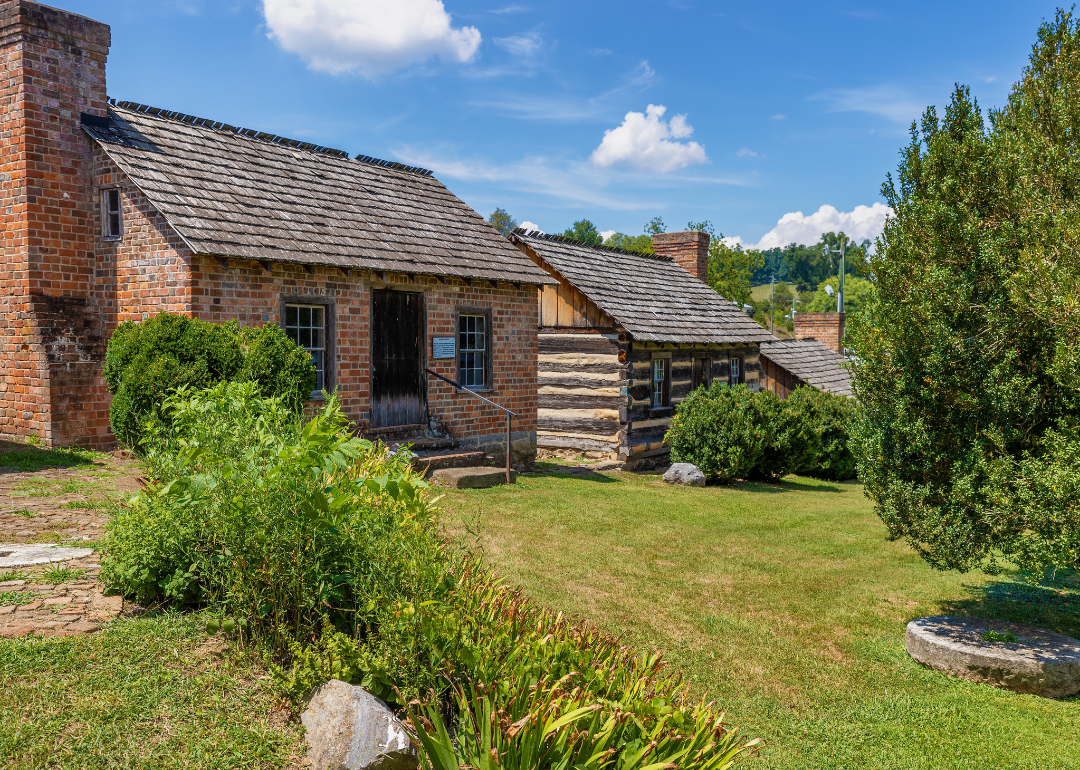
(113,199)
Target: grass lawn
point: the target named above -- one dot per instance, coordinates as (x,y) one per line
(787,604)
(145,693)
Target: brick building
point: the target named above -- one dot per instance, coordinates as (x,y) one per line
(116,211)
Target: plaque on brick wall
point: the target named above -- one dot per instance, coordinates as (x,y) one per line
(442,347)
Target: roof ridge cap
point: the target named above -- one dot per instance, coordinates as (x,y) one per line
(576,242)
(262,136)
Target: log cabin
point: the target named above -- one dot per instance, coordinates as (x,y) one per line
(789,364)
(625,337)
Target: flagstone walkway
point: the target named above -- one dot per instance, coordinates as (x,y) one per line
(54,508)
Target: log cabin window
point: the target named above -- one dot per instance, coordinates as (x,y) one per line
(661,383)
(702,373)
(112,222)
(473,351)
(306,326)
(736,370)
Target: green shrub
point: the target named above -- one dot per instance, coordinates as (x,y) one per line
(146,361)
(721,430)
(794,441)
(733,433)
(278,523)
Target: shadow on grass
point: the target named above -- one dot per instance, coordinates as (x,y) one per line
(1053,604)
(572,472)
(784,486)
(20,458)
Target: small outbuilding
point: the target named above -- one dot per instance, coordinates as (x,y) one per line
(624,337)
(788,364)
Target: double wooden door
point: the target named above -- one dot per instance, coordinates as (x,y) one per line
(398,394)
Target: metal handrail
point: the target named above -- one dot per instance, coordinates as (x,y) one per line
(509,414)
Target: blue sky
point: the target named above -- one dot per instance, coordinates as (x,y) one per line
(760,110)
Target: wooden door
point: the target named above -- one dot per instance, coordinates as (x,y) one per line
(397,382)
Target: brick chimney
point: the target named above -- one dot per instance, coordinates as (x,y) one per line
(53,70)
(689,249)
(826,328)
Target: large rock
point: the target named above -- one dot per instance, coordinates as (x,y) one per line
(348,727)
(480,477)
(1039,662)
(29,555)
(686,474)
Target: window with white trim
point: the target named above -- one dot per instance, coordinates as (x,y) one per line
(736,370)
(661,382)
(472,350)
(112,222)
(306,326)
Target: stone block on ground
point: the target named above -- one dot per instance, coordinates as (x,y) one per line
(29,555)
(472,478)
(348,727)
(685,474)
(1039,662)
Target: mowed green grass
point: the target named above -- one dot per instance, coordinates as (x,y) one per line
(146,693)
(785,603)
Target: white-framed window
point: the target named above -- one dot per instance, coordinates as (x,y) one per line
(472,350)
(661,382)
(736,370)
(112,221)
(306,326)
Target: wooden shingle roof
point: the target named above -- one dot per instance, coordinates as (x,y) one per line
(812,362)
(653,298)
(240,193)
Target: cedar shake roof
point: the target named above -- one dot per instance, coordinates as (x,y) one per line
(239,193)
(812,362)
(651,297)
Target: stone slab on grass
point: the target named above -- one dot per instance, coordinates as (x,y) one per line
(348,727)
(685,474)
(1039,662)
(29,555)
(472,478)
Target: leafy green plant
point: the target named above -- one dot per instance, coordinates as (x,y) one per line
(14,575)
(146,361)
(794,442)
(278,522)
(830,418)
(16,598)
(58,575)
(721,430)
(24,512)
(999,636)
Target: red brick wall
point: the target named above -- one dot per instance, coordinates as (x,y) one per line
(826,328)
(690,250)
(51,338)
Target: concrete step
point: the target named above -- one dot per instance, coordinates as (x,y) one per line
(429,462)
(420,444)
(472,478)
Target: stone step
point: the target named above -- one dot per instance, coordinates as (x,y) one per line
(429,462)
(472,478)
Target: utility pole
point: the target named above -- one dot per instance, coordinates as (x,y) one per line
(772,305)
(826,251)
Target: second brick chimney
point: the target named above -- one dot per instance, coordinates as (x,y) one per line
(689,249)
(826,328)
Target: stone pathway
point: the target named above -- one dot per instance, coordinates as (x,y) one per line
(55,506)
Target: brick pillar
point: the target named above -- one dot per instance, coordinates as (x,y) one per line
(690,250)
(826,328)
(52,69)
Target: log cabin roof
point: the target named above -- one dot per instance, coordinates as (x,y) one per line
(812,362)
(236,192)
(652,298)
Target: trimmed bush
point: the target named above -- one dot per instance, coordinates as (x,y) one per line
(146,361)
(794,438)
(721,430)
(734,433)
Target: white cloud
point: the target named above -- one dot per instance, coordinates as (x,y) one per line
(521,45)
(887,101)
(605,234)
(367,37)
(644,142)
(861,223)
(747,152)
(779,116)
(527,225)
